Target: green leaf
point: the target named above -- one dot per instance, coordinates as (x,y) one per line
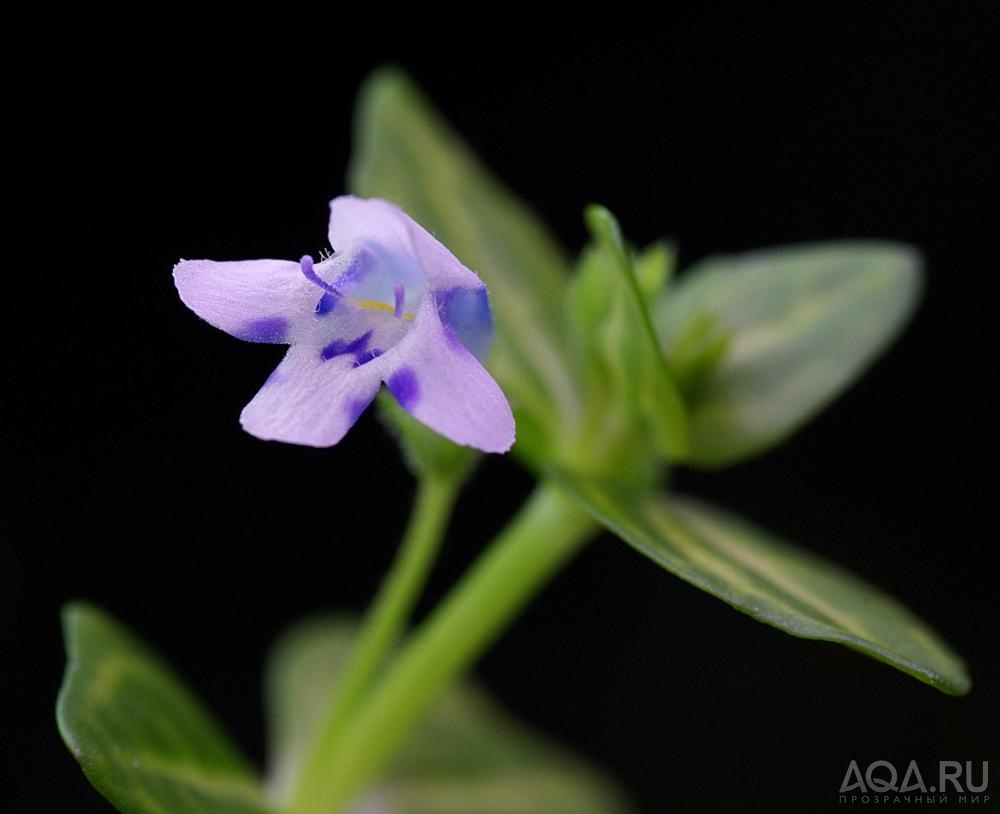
(298,684)
(406,153)
(468,757)
(771,580)
(143,740)
(645,379)
(800,324)
(590,296)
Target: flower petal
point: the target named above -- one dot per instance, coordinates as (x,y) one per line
(363,223)
(255,300)
(312,397)
(272,301)
(439,382)
(442,268)
(466,313)
(356,223)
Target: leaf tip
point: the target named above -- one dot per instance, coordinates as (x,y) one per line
(74,610)
(601,222)
(958,683)
(385,85)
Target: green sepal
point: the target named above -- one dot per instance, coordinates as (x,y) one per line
(695,354)
(637,370)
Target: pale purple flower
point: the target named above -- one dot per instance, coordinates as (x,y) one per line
(390,304)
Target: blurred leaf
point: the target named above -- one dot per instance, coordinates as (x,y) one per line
(143,740)
(591,295)
(406,153)
(802,323)
(637,365)
(467,758)
(591,286)
(771,580)
(298,684)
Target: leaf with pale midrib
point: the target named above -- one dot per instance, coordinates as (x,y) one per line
(801,324)
(142,738)
(772,581)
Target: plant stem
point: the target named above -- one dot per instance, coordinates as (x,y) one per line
(538,541)
(387,617)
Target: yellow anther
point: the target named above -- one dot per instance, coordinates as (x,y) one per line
(376,305)
(373,305)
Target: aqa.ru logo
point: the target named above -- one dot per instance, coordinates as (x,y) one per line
(879,784)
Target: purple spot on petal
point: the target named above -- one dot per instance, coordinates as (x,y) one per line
(354,408)
(404,387)
(365,356)
(465,313)
(325,304)
(335,348)
(362,263)
(359,266)
(269,329)
(452,339)
(339,347)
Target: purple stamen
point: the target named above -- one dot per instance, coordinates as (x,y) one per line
(399,292)
(307,269)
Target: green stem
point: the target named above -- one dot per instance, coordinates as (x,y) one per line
(387,617)
(533,547)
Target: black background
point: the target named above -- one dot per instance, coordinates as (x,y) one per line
(137,142)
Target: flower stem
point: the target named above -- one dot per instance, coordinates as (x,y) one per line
(533,547)
(387,617)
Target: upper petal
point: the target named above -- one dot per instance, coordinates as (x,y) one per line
(438,380)
(312,398)
(377,226)
(360,223)
(442,268)
(256,300)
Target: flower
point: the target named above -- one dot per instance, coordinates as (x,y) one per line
(390,304)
